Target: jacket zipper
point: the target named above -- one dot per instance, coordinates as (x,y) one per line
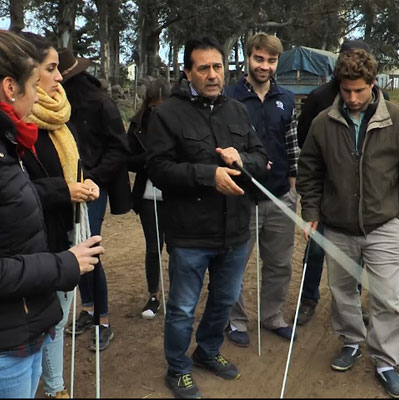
(25,306)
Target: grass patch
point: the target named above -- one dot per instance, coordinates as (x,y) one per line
(393,96)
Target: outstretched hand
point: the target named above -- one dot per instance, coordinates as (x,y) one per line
(87,253)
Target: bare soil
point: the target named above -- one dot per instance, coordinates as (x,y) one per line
(134,365)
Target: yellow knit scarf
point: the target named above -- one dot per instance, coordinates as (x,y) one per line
(52,114)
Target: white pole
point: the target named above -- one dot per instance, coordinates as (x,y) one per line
(159,250)
(98,361)
(258,275)
(73,342)
(287,365)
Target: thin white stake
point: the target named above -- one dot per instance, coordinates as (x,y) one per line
(73,342)
(258,274)
(372,285)
(97,361)
(287,365)
(159,251)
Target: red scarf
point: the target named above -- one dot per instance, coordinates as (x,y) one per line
(26,132)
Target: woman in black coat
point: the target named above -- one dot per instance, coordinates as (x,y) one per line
(53,170)
(143,192)
(102,144)
(29,275)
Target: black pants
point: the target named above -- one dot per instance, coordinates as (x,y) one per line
(147,218)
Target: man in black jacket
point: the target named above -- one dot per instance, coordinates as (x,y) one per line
(194,139)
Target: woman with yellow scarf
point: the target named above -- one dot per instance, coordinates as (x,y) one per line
(52,166)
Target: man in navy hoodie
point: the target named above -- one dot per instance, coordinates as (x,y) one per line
(272,113)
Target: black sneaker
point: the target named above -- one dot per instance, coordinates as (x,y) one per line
(150,309)
(84,322)
(306,311)
(183,386)
(390,381)
(219,365)
(346,358)
(105,336)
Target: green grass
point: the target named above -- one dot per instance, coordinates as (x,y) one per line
(393,96)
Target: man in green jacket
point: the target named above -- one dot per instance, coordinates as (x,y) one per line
(348,179)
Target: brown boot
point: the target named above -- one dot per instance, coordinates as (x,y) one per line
(62,394)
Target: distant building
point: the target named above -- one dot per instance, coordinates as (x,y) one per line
(131,72)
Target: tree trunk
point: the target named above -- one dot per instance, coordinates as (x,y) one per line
(176,66)
(103,15)
(114,43)
(17,8)
(66,23)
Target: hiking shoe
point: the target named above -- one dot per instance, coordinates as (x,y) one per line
(150,309)
(84,322)
(346,358)
(238,338)
(306,311)
(218,365)
(105,336)
(390,381)
(182,386)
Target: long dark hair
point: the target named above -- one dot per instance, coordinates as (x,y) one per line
(156,89)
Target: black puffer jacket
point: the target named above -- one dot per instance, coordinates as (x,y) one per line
(183,134)
(29,276)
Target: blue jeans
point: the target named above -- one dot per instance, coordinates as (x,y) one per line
(53,352)
(96,210)
(187,269)
(314,269)
(19,376)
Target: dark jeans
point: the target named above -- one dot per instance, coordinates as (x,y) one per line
(147,218)
(314,269)
(187,268)
(96,211)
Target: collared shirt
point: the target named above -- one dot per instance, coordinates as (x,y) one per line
(357,123)
(291,136)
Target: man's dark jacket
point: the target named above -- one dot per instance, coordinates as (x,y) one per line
(103,147)
(29,276)
(270,119)
(184,132)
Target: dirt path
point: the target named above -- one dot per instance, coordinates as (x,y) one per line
(134,365)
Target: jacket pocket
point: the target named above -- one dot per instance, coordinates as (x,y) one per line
(239,135)
(196,144)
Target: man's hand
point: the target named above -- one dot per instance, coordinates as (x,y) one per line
(224,184)
(311,226)
(229,155)
(86,253)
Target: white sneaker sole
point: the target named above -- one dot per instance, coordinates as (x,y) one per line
(148,314)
